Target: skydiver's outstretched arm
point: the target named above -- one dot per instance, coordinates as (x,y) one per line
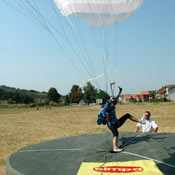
(120,91)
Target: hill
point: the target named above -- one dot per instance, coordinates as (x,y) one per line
(16,95)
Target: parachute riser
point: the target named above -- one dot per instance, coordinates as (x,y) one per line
(112,88)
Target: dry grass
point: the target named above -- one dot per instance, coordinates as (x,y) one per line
(20,127)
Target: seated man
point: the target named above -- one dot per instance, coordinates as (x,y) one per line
(149,124)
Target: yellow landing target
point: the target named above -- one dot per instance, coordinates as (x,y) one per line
(139,167)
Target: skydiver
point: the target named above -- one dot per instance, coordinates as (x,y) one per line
(107,116)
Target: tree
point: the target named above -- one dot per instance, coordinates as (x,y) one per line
(53,95)
(76,94)
(90,93)
(16,97)
(103,95)
(26,98)
(66,100)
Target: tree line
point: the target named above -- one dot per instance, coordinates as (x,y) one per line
(16,95)
(88,94)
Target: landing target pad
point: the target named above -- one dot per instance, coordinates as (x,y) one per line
(143,167)
(65,156)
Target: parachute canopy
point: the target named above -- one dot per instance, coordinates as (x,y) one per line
(99,12)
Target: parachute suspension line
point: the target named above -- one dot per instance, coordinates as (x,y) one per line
(107,67)
(116,52)
(32,13)
(68,41)
(112,88)
(58,43)
(95,35)
(65,38)
(84,43)
(116,48)
(48,29)
(103,44)
(113,55)
(19,11)
(37,15)
(105,54)
(101,47)
(117,38)
(107,46)
(104,37)
(112,51)
(117,44)
(71,60)
(29,14)
(45,24)
(52,5)
(86,53)
(106,51)
(42,20)
(22,5)
(86,47)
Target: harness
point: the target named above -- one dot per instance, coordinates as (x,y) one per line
(101,119)
(107,111)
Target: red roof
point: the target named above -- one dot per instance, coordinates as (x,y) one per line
(148,92)
(170,86)
(162,90)
(145,92)
(128,96)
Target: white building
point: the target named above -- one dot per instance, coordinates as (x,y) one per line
(170,92)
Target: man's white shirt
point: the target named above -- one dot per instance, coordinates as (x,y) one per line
(149,125)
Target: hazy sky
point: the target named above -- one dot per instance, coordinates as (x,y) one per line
(30,58)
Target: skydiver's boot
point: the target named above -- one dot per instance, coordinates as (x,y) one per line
(117,150)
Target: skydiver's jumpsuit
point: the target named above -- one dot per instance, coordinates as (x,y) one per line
(113,122)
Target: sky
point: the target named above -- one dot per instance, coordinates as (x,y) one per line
(33,58)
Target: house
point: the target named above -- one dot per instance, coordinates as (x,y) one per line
(40,100)
(4,102)
(130,97)
(167,92)
(99,101)
(162,93)
(124,98)
(148,95)
(170,92)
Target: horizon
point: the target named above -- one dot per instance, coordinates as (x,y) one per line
(82,89)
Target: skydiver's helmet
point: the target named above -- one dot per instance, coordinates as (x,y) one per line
(113,100)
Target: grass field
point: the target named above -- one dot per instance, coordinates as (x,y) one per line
(20,127)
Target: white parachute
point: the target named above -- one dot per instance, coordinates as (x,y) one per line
(99,12)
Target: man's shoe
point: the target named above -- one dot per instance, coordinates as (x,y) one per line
(117,150)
